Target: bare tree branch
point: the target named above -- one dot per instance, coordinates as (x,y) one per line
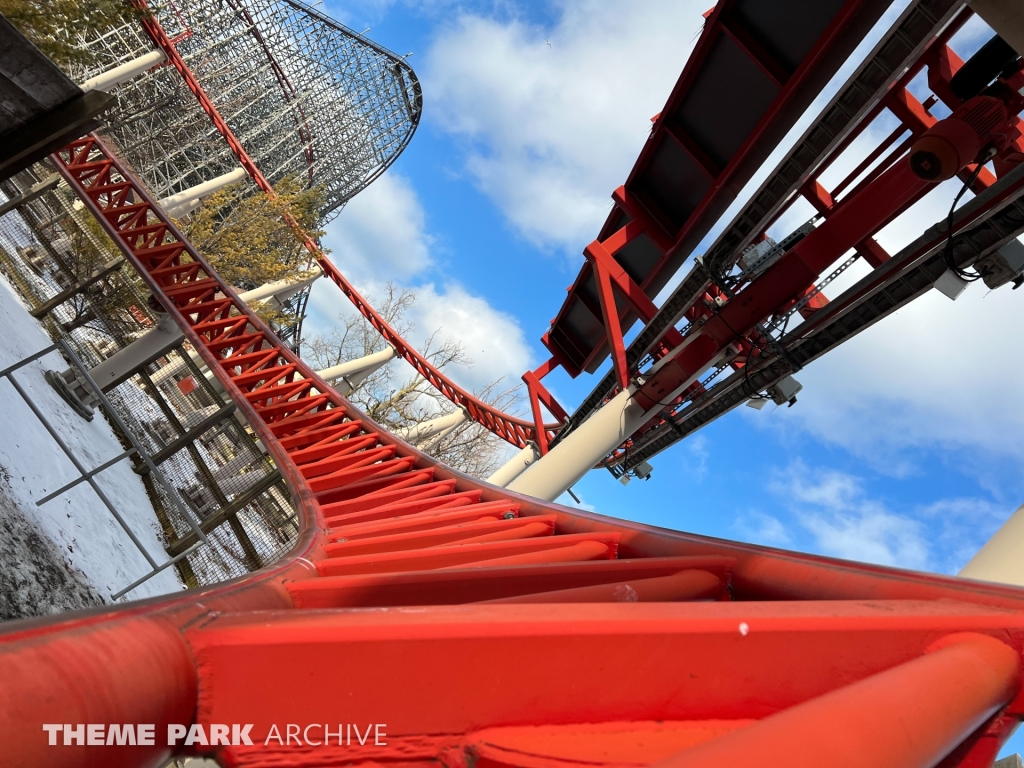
(398,403)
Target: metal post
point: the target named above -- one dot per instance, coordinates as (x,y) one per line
(124,72)
(1001,559)
(37,189)
(89,476)
(550,476)
(433,442)
(354,372)
(97,274)
(515,466)
(184,202)
(154,343)
(81,470)
(281,290)
(419,432)
(117,368)
(131,438)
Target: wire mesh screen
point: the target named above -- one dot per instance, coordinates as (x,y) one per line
(72,278)
(305,95)
(66,269)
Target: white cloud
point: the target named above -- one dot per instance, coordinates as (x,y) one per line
(845,523)
(695,457)
(964,525)
(382,231)
(554,118)
(759,528)
(844,520)
(382,235)
(491,339)
(936,374)
(870,535)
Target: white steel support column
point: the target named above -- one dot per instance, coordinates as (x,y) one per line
(282,290)
(177,205)
(156,342)
(1002,558)
(515,466)
(123,72)
(349,375)
(420,432)
(428,446)
(562,466)
(117,368)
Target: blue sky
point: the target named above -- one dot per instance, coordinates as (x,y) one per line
(904,447)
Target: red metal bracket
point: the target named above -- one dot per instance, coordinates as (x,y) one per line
(539,394)
(610,275)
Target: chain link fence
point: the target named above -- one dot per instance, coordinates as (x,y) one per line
(78,285)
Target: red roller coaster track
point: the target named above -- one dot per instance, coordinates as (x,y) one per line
(474,627)
(510,428)
(664,648)
(641,220)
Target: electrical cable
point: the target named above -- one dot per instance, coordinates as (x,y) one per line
(947,251)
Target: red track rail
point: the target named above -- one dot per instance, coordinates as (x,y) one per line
(509,428)
(663,648)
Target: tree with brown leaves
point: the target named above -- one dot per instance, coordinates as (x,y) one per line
(245,237)
(56,27)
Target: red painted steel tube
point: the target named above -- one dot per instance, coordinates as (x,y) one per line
(469,585)
(910,716)
(687,585)
(137,671)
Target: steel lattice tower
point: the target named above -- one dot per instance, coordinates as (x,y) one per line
(305,95)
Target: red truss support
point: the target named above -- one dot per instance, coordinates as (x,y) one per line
(611,277)
(505,631)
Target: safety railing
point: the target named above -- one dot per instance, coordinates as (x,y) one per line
(89,475)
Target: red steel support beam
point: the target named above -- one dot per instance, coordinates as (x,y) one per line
(946,148)
(868,248)
(910,716)
(598,257)
(637,212)
(609,276)
(538,394)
